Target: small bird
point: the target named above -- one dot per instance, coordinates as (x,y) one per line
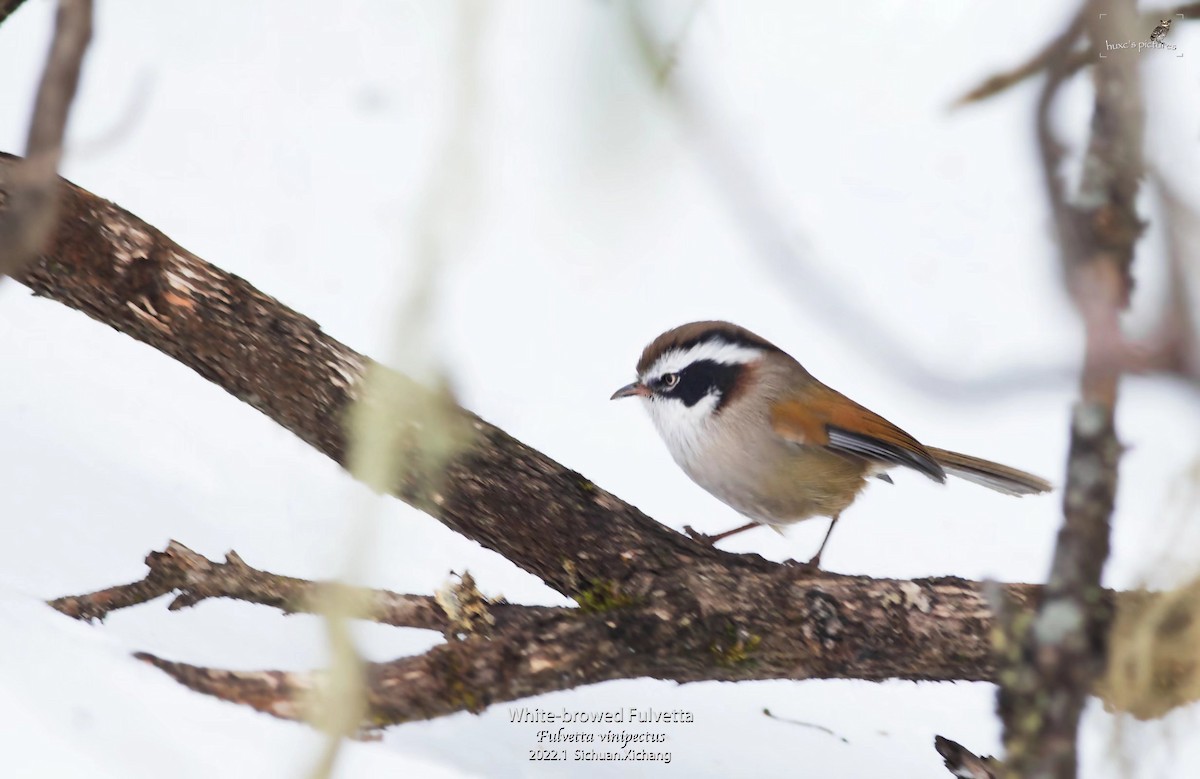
(749,424)
(1160,31)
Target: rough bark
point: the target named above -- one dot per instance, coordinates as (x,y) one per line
(780,623)
(691,607)
(652,603)
(546,518)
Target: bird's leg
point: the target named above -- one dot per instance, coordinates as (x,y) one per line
(815,562)
(704,538)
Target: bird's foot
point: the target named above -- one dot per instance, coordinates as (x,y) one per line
(698,537)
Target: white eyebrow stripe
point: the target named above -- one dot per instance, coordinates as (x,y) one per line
(714,350)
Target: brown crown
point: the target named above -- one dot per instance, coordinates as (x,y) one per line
(686,336)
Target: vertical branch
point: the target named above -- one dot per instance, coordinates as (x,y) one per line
(29,190)
(1178,340)
(398,437)
(1063,650)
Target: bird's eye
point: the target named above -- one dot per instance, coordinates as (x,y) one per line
(668,380)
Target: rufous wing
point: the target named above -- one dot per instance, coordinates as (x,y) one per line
(820,416)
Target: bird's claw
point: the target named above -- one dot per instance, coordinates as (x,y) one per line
(697,536)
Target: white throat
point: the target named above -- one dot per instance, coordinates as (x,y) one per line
(686,430)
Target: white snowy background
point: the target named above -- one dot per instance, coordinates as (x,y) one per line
(294,144)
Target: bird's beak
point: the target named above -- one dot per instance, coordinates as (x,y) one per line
(629,390)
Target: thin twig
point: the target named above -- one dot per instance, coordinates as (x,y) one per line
(1001,82)
(775,240)
(1041,59)
(29,191)
(7,7)
(1056,53)
(194,578)
(97,605)
(1175,347)
(803,724)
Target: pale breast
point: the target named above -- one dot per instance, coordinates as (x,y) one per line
(745,465)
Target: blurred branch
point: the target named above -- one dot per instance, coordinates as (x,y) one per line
(777,243)
(1075,60)
(1175,347)
(388,425)
(1000,82)
(514,500)
(651,601)
(28,190)
(1063,650)
(7,7)
(1152,659)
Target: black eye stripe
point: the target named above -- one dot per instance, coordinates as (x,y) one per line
(703,377)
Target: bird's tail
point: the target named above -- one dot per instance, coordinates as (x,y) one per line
(992,475)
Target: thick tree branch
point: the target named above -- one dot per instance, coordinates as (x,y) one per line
(778,624)
(653,603)
(29,189)
(781,623)
(545,518)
